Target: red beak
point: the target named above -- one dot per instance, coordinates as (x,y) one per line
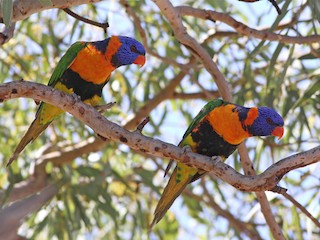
(140,60)
(278,132)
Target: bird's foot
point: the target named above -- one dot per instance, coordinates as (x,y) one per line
(103,108)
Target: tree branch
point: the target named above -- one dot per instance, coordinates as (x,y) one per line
(11,216)
(88,114)
(24,8)
(104,26)
(273,2)
(174,18)
(302,208)
(242,28)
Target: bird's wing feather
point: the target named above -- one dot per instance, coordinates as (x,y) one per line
(203,112)
(65,61)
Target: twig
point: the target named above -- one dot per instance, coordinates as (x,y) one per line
(278,189)
(273,2)
(104,26)
(143,124)
(302,208)
(103,108)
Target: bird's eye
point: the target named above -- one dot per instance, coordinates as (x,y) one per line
(269,121)
(133,48)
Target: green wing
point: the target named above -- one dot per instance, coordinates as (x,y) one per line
(203,112)
(66,61)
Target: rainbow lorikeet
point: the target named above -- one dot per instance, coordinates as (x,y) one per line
(84,70)
(217,130)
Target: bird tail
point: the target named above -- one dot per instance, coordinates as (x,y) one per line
(33,132)
(171,192)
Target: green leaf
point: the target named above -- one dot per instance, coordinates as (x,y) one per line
(7,8)
(146,177)
(312,89)
(88,171)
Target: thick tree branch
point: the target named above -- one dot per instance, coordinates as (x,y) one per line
(11,216)
(32,185)
(24,8)
(88,114)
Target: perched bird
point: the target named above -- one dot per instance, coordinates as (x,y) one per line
(217,130)
(84,70)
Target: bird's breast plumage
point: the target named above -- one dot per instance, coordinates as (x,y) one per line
(92,65)
(226,123)
(205,140)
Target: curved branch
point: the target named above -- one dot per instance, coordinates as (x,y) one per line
(244,29)
(174,18)
(88,114)
(104,26)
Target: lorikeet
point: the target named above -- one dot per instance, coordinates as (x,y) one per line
(84,70)
(217,130)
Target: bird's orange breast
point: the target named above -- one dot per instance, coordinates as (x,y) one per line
(92,65)
(227,124)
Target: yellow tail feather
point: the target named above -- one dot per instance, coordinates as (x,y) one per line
(173,189)
(33,132)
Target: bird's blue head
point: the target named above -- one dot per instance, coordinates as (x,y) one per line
(128,51)
(267,123)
